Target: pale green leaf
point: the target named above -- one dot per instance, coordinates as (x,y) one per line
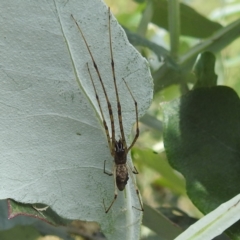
(214,223)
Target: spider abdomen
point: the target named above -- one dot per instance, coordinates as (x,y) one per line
(121,176)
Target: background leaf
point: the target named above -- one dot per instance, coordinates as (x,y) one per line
(192,23)
(204,71)
(201,138)
(214,223)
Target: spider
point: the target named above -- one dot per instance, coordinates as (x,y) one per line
(118,148)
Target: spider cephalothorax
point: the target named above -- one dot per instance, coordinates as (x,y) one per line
(120,156)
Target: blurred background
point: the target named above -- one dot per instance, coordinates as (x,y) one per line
(159,184)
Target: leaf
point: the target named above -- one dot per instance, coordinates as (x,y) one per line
(159,163)
(39,211)
(201,138)
(204,71)
(5,224)
(53,145)
(158,223)
(214,223)
(191,21)
(42,226)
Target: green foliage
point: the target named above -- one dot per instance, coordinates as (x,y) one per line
(201,127)
(201,138)
(192,23)
(204,71)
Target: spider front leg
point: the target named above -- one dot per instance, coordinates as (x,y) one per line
(110,144)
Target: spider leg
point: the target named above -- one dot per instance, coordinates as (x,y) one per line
(136,111)
(115,85)
(134,170)
(104,170)
(115,191)
(137,192)
(102,115)
(104,90)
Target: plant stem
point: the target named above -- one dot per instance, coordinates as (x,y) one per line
(174,27)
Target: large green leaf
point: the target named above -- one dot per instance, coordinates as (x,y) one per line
(192,23)
(201,137)
(53,144)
